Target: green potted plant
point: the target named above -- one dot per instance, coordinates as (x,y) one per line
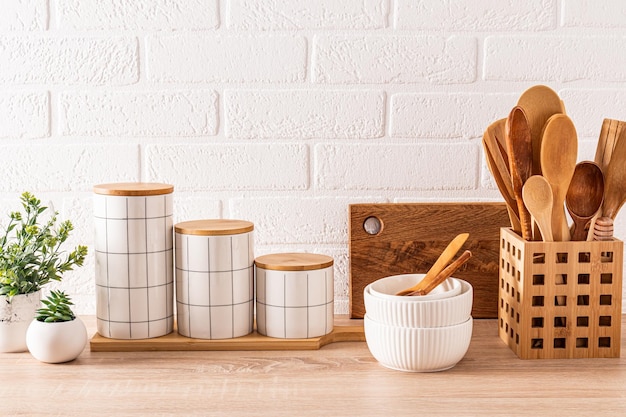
(56,335)
(30,257)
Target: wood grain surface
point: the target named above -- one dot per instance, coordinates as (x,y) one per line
(343,331)
(214,227)
(138,189)
(412,238)
(340,379)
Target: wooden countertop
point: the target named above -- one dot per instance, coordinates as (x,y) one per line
(341,379)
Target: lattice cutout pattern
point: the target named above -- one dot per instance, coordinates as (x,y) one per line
(560,299)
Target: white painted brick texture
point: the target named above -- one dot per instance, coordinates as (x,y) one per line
(306,14)
(555,58)
(57,167)
(18,15)
(196,58)
(396,167)
(420,115)
(284,112)
(24,115)
(394,59)
(304,114)
(229,167)
(473,15)
(584,13)
(92,60)
(148,15)
(136,113)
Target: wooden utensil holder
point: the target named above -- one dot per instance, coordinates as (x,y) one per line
(560,299)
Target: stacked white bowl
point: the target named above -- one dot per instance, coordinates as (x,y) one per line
(425,333)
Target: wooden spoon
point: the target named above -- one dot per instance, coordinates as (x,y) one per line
(539,103)
(615,184)
(443,275)
(584,197)
(538,198)
(519,147)
(441,262)
(559,150)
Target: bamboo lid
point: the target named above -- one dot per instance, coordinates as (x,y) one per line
(140,189)
(214,227)
(293,261)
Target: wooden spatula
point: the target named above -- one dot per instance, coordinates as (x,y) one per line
(441,262)
(607,140)
(443,275)
(519,147)
(615,181)
(559,150)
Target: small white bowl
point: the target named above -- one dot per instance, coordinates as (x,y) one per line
(388,287)
(418,349)
(404,312)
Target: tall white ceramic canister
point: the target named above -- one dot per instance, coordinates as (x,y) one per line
(214,278)
(294,295)
(134,260)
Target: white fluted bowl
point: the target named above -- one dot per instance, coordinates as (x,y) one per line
(417,349)
(404,311)
(388,287)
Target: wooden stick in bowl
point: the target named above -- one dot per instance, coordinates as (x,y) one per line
(445,274)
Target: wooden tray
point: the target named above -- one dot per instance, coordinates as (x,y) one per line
(412,238)
(345,330)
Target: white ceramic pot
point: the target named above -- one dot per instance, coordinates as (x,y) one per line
(294,295)
(16,314)
(214,278)
(134,260)
(56,342)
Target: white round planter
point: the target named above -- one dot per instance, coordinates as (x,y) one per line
(16,314)
(56,342)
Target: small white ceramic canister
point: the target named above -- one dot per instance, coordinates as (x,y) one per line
(214,278)
(294,295)
(134,260)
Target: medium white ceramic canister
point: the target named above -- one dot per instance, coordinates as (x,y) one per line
(214,278)
(134,260)
(294,295)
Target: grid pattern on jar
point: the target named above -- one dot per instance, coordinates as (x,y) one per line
(560,299)
(295,304)
(215,285)
(134,265)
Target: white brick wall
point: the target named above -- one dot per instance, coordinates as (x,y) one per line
(392,59)
(24,115)
(304,114)
(284,112)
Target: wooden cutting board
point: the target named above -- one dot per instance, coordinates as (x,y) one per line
(412,237)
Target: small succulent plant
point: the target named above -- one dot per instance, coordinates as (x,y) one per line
(56,308)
